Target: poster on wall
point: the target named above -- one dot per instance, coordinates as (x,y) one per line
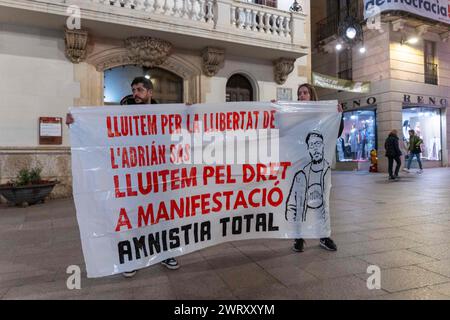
(284,94)
(438,10)
(158,181)
(50,130)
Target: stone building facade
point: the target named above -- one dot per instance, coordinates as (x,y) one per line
(410,81)
(49,63)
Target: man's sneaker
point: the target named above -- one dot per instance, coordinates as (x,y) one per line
(171,264)
(420,171)
(328,244)
(391,178)
(299,245)
(406,170)
(129,274)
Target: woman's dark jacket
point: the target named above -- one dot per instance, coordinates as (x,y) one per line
(391,146)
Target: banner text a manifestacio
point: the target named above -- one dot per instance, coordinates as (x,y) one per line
(141,198)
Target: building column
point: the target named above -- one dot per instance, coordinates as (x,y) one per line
(389,117)
(91,85)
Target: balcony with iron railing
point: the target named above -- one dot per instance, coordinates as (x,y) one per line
(431,73)
(329,26)
(185,21)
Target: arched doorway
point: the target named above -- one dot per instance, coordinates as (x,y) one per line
(167,86)
(239,88)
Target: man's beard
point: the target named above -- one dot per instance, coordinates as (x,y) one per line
(142,101)
(316,161)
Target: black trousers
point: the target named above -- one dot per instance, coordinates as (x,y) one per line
(391,164)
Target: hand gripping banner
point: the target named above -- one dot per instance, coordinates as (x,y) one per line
(152,182)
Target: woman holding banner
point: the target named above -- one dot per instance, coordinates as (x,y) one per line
(307,92)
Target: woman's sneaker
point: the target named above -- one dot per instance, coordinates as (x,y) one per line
(299,245)
(129,274)
(171,264)
(328,244)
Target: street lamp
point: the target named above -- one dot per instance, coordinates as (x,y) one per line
(350,31)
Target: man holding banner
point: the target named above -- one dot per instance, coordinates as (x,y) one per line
(142,92)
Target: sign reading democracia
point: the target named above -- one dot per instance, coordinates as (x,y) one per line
(438,10)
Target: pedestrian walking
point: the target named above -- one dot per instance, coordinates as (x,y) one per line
(414,149)
(393,153)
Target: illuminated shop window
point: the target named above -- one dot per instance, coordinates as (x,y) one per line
(426,122)
(358,137)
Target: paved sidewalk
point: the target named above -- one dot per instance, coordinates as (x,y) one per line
(403,227)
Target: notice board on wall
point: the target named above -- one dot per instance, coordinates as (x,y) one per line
(50,130)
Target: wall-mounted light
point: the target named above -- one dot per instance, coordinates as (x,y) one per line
(339,47)
(362,50)
(412,40)
(147,76)
(409,40)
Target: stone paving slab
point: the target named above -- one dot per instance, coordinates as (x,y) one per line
(414,294)
(406,278)
(275,291)
(342,288)
(443,289)
(397,258)
(441,267)
(438,251)
(374,222)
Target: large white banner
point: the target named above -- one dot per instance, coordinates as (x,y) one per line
(158,181)
(438,10)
